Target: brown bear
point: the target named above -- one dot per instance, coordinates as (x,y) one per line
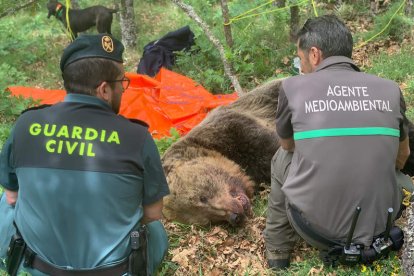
(213,170)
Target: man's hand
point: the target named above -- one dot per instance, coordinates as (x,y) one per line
(287,144)
(152,212)
(11,197)
(403,153)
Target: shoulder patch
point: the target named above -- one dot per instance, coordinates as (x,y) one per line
(36,107)
(136,121)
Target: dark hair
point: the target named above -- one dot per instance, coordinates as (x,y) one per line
(84,76)
(328,34)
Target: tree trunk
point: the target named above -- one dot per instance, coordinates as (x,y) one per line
(409,8)
(128,25)
(227,27)
(279,3)
(116,15)
(228,69)
(74,4)
(408,249)
(374,6)
(294,22)
(15,9)
(294,18)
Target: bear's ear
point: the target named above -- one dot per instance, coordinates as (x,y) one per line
(250,189)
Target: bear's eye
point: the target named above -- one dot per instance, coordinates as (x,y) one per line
(203,199)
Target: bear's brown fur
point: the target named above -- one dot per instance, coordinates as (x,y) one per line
(213,170)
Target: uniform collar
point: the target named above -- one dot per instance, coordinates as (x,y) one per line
(86,99)
(339,62)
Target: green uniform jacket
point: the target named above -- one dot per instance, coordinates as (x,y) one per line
(83,174)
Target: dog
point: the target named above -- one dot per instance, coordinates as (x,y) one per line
(81,20)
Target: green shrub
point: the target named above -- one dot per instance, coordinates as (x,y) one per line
(10,75)
(398,28)
(409,99)
(164,143)
(346,11)
(5,129)
(396,67)
(10,109)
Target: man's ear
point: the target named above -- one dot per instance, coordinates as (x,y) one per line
(103,91)
(315,56)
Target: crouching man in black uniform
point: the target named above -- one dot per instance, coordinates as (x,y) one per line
(336,178)
(87,184)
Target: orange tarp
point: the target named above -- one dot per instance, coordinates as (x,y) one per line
(166,101)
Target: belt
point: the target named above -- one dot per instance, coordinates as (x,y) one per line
(42,266)
(296,216)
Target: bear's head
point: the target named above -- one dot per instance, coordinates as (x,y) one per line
(208,189)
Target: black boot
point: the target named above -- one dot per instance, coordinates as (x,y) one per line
(278,264)
(278,260)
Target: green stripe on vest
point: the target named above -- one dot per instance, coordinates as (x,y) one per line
(356,131)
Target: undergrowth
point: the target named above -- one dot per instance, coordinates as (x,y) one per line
(399,25)
(164,143)
(398,67)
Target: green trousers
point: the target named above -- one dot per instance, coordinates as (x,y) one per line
(281,232)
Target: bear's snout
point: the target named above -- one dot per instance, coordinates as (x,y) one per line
(236,219)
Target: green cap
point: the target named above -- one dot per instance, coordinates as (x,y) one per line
(90,46)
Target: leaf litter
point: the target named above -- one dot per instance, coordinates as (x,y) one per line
(222,249)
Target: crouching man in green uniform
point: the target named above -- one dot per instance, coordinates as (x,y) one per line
(336,178)
(87,184)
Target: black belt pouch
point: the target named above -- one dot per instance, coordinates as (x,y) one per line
(15,254)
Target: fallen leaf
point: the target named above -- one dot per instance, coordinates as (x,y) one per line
(228,242)
(182,257)
(278,71)
(315,271)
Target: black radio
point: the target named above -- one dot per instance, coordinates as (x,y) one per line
(15,254)
(392,239)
